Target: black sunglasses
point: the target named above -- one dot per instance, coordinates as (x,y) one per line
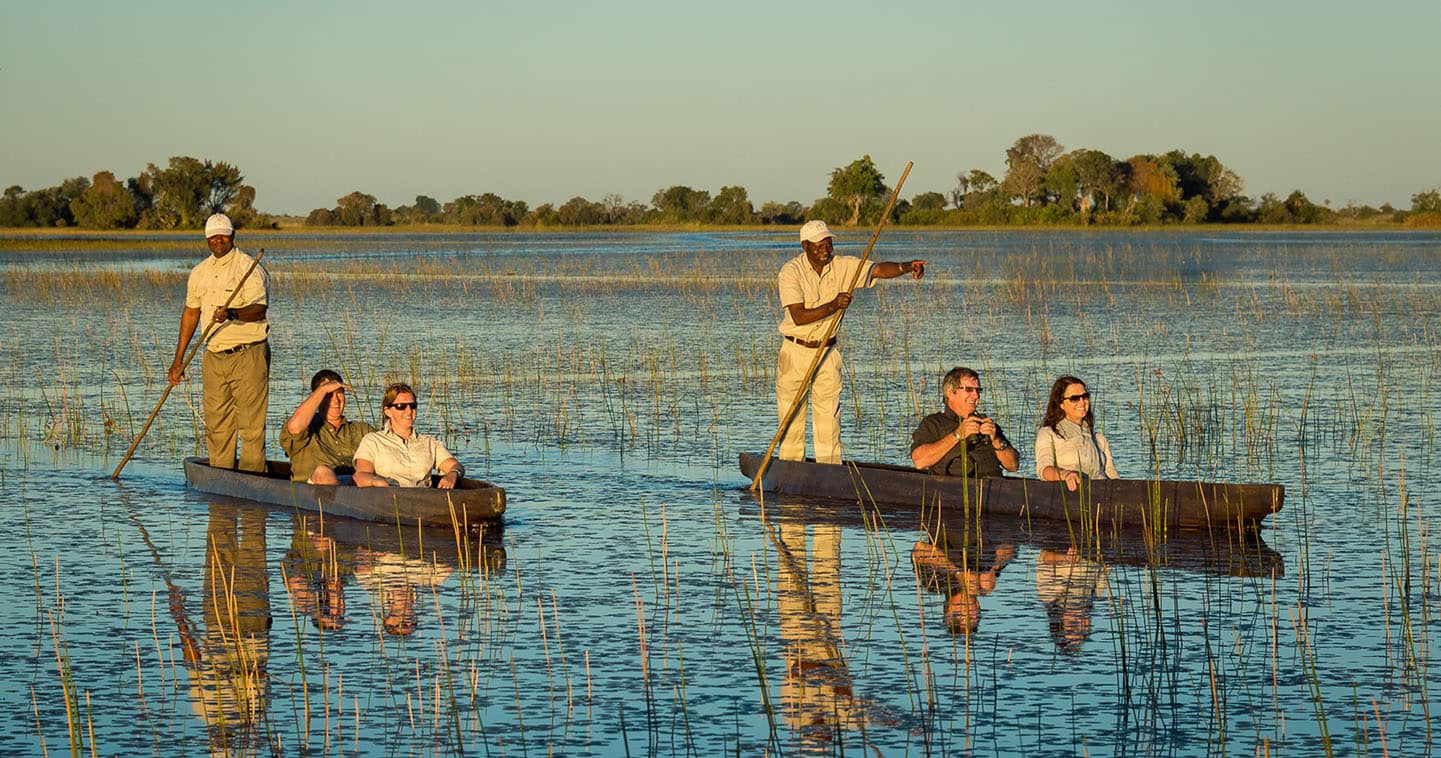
(404,406)
(1074,398)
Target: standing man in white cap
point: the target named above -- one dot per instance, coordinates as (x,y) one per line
(812,288)
(236,369)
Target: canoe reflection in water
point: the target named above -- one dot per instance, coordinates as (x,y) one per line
(229,680)
(399,568)
(961,557)
(816,696)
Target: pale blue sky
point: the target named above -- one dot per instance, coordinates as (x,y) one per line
(544,101)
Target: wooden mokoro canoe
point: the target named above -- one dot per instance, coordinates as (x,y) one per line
(471,503)
(1103,503)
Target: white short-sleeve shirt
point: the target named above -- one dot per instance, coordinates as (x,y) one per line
(209,286)
(800,284)
(408,463)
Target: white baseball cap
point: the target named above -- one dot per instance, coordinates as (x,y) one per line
(219,223)
(815,231)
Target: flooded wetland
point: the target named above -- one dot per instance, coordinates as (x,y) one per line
(638,599)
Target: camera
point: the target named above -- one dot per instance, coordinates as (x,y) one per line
(976,439)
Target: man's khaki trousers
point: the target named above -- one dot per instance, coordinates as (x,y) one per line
(825,402)
(237,395)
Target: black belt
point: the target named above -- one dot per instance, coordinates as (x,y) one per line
(237,348)
(810,344)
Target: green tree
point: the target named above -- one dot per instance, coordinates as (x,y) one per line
(773,212)
(731,206)
(831,210)
(982,181)
(1202,176)
(242,209)
(427,206)
(51,206)
(578,211)
(488,209)
(1028,160)
(1428,201)
(856,183)
(1303,211)
(1098,174)
(320,217)
(543,215)
(1063,183)
(680,203)
(618,211)
(189,190)
(355,209)
(972,188)
(1195,210)
(106,204)
(46,207)
(929,201)
(12,207)
(925,208)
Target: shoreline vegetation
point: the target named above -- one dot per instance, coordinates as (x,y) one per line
(1044,187)
(33,240)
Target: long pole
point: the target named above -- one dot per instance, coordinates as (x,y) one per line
(183,365)
(800,398)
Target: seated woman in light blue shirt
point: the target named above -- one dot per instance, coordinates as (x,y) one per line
(1067,444)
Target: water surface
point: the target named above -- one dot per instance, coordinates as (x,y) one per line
(639,600)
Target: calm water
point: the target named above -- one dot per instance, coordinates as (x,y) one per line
(639,600)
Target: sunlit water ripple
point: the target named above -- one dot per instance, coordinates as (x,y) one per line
(638,599)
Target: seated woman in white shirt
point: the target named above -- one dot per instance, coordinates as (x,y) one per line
(398,456)
(1067,444)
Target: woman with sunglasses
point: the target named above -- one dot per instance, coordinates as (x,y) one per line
(398,456)
(1067,444)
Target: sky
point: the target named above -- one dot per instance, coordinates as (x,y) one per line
(542,102)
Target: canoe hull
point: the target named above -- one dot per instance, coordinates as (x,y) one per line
(472,503)
(1111,503)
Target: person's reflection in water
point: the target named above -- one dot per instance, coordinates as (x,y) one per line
(816,694)
(962,572)
(317,569)
(229,683)
(396,583)
(1068,584)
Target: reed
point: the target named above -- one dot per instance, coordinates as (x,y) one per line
(1171,652)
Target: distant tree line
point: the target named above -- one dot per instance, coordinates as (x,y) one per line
(179,196)
(1044,184)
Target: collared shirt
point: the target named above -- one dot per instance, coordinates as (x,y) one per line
(325,445)
(405,462)
(980,454)
(210,284)
(1076,448)
(800,284)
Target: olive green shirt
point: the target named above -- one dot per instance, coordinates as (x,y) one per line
(322,445)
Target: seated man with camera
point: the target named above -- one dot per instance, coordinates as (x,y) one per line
(958,441)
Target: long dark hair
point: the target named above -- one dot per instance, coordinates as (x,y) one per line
(1054,414)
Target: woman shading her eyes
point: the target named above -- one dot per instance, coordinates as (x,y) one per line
(1067,444)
